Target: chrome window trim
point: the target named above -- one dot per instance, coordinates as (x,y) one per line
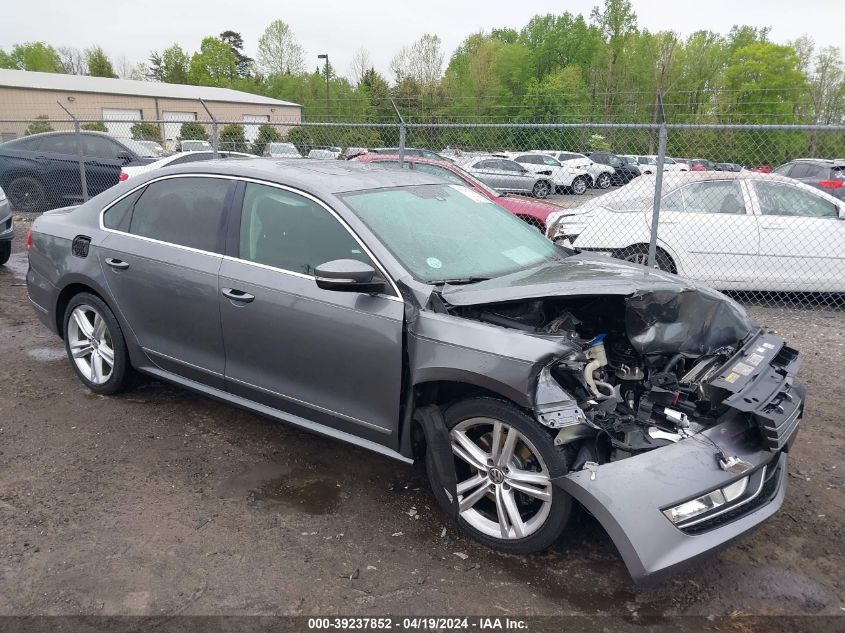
(343,223)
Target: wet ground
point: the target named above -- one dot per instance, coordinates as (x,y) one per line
(159,501)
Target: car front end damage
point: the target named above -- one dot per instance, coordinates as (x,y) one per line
(674,412)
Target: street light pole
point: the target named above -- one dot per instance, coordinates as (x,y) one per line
(326,57)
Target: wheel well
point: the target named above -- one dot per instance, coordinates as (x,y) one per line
(528,219)
(68,293)
(643,248)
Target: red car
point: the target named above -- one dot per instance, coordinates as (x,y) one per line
(763,169)
(527,209)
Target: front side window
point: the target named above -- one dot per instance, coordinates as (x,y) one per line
(714,196)
(449,232)
(60,144)
(509,165)
(285,230)
(101,147)
(548,160)
(783,169)
(777,198)
(184,211)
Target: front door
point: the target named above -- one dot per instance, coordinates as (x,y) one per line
(160,260)
(327,356)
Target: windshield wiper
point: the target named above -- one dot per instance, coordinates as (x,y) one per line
(461,280)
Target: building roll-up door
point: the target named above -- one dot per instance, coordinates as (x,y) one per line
(118,121)
(251,124)
(173,123)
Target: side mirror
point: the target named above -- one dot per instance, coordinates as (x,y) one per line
(347,275)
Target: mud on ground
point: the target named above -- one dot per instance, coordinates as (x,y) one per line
(160,501)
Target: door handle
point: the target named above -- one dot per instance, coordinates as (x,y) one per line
(117,263)
(237,295)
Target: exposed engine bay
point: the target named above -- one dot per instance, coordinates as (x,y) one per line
(640,368)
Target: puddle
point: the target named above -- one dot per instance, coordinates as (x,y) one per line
(17,265)
(276,485)
(47,354)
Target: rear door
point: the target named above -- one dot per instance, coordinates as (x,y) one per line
(161,259)
(57,162)
(323,355)
(802,238)
(713,231)
(516,177)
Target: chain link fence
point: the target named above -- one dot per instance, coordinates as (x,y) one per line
(754,210)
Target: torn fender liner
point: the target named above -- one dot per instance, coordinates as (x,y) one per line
(687,320)
(439,446)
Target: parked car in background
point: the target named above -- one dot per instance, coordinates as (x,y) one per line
(418,320)
(324,153)
(41,171)
(409,151)
(648,164)
(624,172)
(533,212)
(728,167)
(827,175)
(731,230)
(154,147)
(181,158)
(761,168)
(281,150)
(601,175)
(193,146)
(7,228)
(509,176)
(564,177)
(701,164)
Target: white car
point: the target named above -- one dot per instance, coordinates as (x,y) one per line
(602,175)
(177,159)
(730,230)
(648,163)
(325,153)
(566,177)
(281,150)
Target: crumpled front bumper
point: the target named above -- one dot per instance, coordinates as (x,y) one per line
(627,497)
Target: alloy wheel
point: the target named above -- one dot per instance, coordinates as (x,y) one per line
(504,487)
(90,344)
(603,181)
(541,190)
(579,186)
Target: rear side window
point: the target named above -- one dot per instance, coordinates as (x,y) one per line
(58,144)
(510,165)
(184,211)
(101,147)
(778,198)
(119,215)
(487,164)
(285,230)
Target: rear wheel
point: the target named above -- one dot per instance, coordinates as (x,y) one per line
(95,344)
(579,185)
(603,180)
(638,254)
(5,252)
(26,193)
(504,465)
(541,189)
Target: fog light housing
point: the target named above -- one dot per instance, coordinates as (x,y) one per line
(706,502)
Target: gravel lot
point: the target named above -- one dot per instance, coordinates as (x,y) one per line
(159,501)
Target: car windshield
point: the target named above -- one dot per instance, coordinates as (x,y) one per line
(138,147)
(449,233)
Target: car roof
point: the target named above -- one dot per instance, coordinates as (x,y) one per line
(825,161)
(319,176)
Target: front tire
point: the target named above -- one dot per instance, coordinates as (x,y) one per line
(579,186)
(541,189)
(504,464)
(95,344)
(603,181)
(5,251)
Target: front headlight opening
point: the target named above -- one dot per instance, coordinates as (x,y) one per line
(707,502)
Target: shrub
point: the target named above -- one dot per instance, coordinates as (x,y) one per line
(39,126)
(94,126)
(192,131)
(232,138)
(301,137)
(360,137)
(266,134)
(145,131)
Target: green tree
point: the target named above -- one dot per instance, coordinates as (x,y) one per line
(279,52)
(95,126)
(235,40)
(39,126)
(232,138)
(99,64)
(301,137)
(175,64)
(146,131)
(213,65)
(192,131)
(35,56)
(266,134)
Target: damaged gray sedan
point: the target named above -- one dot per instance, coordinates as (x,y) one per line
(417,319)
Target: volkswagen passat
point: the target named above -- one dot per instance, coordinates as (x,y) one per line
(415,318)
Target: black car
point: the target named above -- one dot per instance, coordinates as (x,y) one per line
(625,172)
(41,171)
(827,175)
(728,167)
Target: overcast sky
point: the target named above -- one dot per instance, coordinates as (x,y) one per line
(382,26)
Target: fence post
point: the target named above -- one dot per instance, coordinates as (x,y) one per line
(658,185)
(401,134)
(80,155)
(215,132)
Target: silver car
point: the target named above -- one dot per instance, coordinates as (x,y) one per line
(400,313)
(509,176)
